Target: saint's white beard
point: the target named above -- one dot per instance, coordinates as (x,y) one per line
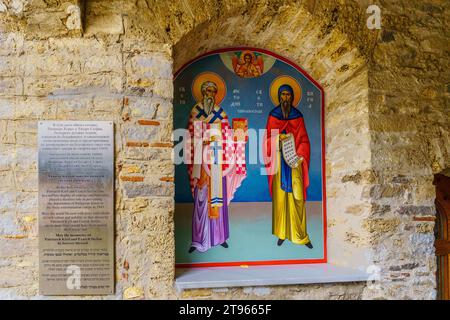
(208,104)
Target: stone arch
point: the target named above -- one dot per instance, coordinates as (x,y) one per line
(338,65)
(391,183)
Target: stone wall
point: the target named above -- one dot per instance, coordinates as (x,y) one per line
(410,142)
(387,126)
(103,77)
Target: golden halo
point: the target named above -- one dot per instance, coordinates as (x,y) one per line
(281,80)
(208,76)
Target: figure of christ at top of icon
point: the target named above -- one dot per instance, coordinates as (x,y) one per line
(214,181)
(247,65)
(287,183)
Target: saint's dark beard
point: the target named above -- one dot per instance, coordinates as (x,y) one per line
(286,107)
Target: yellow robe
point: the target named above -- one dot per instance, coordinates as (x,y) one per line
(288,208)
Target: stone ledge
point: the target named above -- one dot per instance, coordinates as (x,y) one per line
(221,277)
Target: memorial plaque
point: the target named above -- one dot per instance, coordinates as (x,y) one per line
(76,205)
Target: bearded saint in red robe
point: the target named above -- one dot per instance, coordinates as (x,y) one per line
(287,182)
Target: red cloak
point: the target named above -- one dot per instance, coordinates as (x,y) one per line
(293,124)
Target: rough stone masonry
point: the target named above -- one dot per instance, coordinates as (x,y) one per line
(387,126)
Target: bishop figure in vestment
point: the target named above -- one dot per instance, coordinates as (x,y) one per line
(216,169)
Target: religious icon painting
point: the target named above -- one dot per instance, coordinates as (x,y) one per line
(250,167)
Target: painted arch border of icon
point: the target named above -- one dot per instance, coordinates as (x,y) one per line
(231,65)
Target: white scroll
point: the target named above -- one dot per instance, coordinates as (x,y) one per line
(289,152)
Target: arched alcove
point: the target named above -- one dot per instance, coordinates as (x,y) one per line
(329,57)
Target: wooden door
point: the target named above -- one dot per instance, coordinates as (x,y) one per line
(442,228)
